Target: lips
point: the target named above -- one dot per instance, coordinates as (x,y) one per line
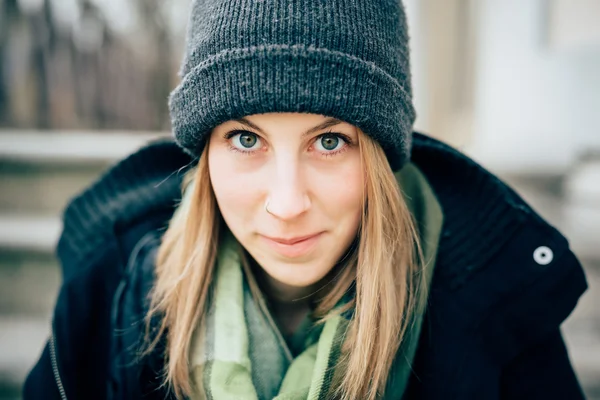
(292,240)
(293,247)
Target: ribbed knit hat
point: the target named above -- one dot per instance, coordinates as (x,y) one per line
(347,59)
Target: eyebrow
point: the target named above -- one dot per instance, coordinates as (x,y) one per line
(326,124)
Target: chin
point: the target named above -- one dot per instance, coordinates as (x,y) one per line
(296,275)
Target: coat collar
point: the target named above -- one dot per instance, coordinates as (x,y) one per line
(481,213)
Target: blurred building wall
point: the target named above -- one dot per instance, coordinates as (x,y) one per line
(536,103)
(573,24)
(508,81)
(443,50)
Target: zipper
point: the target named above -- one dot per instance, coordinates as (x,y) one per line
(59,383)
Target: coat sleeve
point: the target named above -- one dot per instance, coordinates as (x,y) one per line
(522,333)
(542,371)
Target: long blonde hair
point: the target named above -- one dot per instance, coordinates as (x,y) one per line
(385,268)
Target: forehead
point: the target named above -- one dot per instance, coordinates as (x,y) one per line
(288,121)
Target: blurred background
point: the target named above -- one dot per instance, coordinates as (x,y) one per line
(513,83)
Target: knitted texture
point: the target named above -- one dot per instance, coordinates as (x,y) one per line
(347,59)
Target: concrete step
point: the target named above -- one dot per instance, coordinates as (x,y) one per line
(29,271)
(71,146)
(29,283)
(40,172)
(582,214)
(582,337)
(22,339)
(582,333)
(38,187)
(582,227)
(583,183)
(29,232)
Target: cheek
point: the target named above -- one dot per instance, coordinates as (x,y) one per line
(341,194)
(235,191)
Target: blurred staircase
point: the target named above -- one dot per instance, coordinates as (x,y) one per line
(39,173)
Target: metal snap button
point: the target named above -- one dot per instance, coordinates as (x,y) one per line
(543,255)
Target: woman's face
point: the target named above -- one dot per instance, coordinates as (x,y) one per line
(307,167)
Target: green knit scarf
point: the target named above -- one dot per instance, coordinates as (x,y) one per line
(226,372)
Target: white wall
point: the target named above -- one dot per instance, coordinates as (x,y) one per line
(536,107)
(574,23)
(418,60)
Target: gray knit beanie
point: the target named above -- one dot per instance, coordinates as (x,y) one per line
(347,59)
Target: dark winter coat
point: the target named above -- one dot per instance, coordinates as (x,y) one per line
(504,282)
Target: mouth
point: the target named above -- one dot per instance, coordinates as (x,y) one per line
(293,247)
(294,240)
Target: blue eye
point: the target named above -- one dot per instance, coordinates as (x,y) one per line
(244,141)
(329,142)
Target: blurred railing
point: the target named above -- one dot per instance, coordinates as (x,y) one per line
(71,65)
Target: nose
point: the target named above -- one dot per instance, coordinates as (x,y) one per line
(288,196)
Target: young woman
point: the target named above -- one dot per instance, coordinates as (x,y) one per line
(298,241)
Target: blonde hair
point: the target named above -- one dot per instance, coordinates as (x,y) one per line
(384,267)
